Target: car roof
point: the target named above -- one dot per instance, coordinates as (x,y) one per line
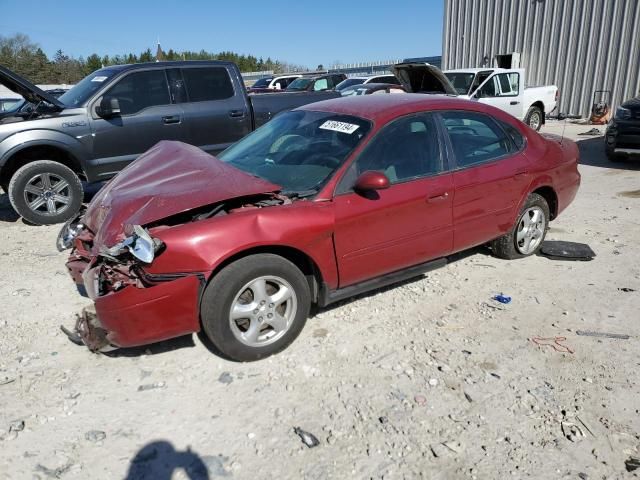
(180,63)
(384,108)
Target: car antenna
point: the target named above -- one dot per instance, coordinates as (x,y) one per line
(564,126)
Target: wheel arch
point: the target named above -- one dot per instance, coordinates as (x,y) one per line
(30,152)
(539,104)
(300,259)
(549,194)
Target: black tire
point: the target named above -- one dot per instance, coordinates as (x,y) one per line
(533,114)
(507,246)
(55,172)
(221,292)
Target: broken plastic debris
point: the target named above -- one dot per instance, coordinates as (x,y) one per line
(309,439)
(502,298)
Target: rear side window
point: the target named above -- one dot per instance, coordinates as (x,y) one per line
(514,134)
(475,138)
(205,84)
(140,90)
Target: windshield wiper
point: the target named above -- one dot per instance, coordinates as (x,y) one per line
(299,194)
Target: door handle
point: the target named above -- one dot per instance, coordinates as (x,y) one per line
(169,119)
(236,113)
(514,102)
(438,197)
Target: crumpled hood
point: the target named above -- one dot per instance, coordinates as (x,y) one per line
(170,178)
(26,89)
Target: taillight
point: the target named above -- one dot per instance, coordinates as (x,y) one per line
(557,94)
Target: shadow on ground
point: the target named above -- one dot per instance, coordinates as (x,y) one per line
(159,460)
(592,153)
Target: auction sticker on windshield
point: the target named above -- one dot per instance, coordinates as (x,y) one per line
(98,78)
(342,127)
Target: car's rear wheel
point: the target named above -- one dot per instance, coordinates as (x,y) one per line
(255,307)
(45,192)
(534,118)
(527,235)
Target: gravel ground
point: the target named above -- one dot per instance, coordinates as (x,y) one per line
(428,379)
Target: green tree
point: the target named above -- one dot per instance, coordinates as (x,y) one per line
(147,56)
(93,63)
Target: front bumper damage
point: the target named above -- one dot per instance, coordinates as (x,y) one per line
(132,307)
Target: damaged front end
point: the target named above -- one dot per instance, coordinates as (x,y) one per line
(132,305)
(114,278)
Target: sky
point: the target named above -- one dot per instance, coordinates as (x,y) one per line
(346,31)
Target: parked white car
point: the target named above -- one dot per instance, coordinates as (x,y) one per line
(504,89)
(351,81)
(272,84)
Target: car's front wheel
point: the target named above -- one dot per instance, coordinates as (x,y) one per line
(527,235)
(45,192)
(255,307)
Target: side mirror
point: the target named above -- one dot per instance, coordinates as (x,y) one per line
(109,107)
(371,181)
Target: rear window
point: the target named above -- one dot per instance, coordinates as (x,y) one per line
(211,83)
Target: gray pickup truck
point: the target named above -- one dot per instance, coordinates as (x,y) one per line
(111,116)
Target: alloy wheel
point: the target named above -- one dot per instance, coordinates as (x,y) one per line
(263,311)
(47,194)
(530,230)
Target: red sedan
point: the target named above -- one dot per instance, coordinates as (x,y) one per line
(322,203)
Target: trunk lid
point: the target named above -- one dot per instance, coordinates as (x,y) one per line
(26,89)
(170,178)
(423,78)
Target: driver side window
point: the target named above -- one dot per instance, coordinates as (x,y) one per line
(502,85)
(404,150)
(140,90)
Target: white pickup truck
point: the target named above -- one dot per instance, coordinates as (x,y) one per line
(504,89)
(498,87)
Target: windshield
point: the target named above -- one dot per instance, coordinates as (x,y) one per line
(349,82)
(262,83)
(86,87)
(298,150)
(300,84)
(461,81)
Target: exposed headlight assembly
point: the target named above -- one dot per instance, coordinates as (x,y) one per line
(623,113)
(68,233)
(140,244)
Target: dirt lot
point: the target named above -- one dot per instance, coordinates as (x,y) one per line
(429,379)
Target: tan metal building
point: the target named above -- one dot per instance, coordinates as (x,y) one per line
(581,46)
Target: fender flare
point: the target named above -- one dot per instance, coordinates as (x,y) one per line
(43,137)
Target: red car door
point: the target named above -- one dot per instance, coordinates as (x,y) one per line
(407,224)
(491,176)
